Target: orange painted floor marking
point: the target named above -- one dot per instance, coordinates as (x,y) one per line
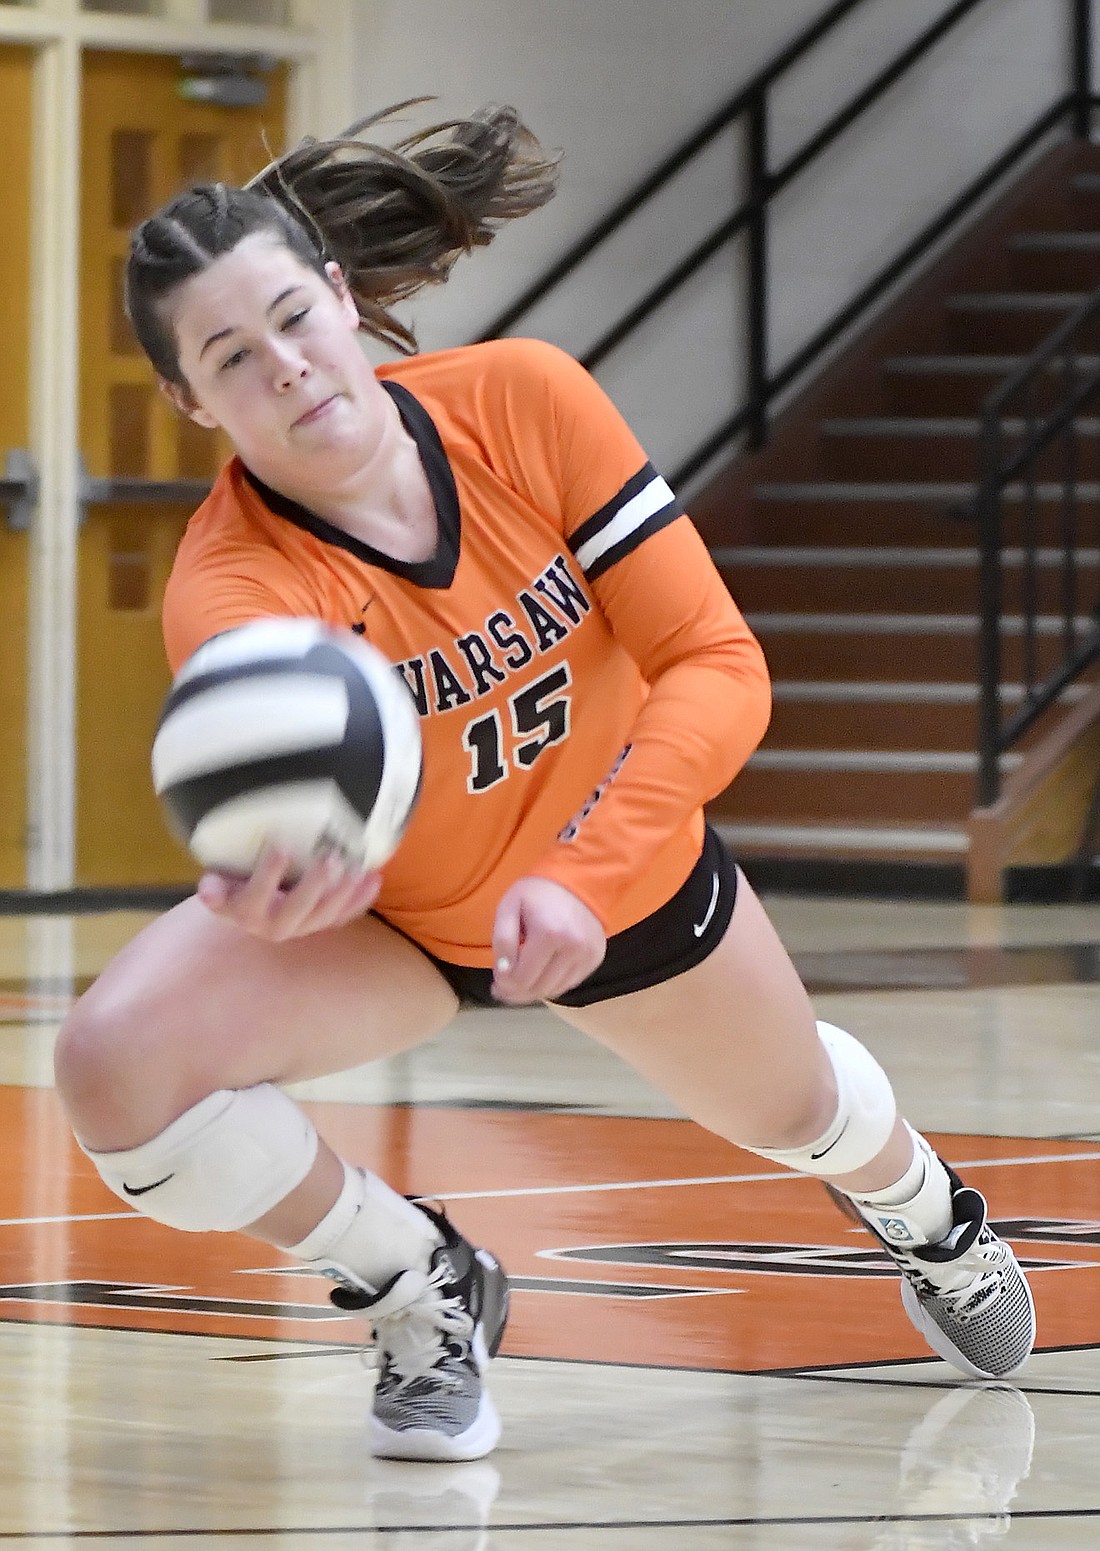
(804,1307)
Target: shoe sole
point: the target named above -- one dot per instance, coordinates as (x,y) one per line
(424,1443)
(941,1343)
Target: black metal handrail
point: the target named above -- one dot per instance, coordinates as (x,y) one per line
(1021,422)
(752,104)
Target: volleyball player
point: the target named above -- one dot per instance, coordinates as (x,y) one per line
(585,685)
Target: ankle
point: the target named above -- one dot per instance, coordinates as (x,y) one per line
(370,1235)
(917,1208)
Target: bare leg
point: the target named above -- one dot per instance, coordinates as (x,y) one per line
(734,1043)
(193,1005)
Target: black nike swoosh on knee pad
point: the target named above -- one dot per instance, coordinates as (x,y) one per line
(814,1155)
(142,1190)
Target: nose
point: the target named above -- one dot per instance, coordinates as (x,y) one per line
(288,364)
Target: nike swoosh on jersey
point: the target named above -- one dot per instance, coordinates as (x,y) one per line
(701,927)
(143,1190)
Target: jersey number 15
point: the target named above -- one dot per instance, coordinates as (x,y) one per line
(540,717)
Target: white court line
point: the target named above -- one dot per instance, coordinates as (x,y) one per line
(20,1222)
(723,1179)
(574,1190)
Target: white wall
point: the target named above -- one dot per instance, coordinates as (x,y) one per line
(617,83)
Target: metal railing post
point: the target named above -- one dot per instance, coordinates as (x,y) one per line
(989,646)
(757,240)
(1081,83)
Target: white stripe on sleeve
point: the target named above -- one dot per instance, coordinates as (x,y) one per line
(638,510)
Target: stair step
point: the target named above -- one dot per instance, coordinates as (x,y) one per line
(945,491)
(877,761)
(936,427)
(880,556)
(922,625)
(1055,242)
(957,382)
(900,715)
(842,839)
(912,448)
(1019,319)
(880,580)
(973,365)
(865,692)
(842,655)
(1015,301)
(789,793)
(841,520)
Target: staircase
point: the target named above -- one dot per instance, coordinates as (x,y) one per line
(844,544)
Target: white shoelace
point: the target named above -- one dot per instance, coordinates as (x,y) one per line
(412,1339)
(977,1274)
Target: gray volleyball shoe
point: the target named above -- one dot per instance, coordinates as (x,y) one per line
(435,1333)
(967,1295)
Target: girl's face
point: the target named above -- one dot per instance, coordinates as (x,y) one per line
(270,353)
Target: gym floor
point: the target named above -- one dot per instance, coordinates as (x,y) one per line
(703,1354)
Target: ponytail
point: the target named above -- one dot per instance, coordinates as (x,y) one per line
(395,218)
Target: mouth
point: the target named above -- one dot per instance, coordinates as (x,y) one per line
(315,413)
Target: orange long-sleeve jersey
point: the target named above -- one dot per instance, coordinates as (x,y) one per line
(584,681)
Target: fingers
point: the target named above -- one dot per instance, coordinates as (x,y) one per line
(545,942)
(273,904)
(523,980)
(538,977)
(506,940)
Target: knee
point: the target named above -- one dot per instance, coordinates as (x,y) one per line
(799,1118)
(85,1054)
(114,1082)
(858,1121)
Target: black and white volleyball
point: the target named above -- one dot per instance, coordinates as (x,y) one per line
(286,732)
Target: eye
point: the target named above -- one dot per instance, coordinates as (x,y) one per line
(233,360)
(295,318)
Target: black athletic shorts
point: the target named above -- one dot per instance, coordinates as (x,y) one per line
(673,939)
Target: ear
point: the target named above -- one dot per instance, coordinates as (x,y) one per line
(181,400)
(340,286)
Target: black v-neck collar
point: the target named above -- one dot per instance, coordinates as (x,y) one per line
(440,569)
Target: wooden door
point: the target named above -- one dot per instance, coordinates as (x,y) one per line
(15,289)
(142,142)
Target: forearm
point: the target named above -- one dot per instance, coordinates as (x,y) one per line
(701,722)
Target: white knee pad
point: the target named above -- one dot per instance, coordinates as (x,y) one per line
(864,1120)
(222,1165)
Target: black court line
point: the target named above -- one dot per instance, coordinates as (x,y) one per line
(335,1348)
(825,1370)
(90,901)
(342,1349)
(946,1385)
(950,969)
(759,1521)
(982,966)
(839,1373)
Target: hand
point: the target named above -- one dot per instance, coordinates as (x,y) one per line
(545,942)
(268,904)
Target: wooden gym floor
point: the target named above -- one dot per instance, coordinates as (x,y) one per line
(703,1354)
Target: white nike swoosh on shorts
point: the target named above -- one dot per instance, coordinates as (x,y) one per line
(711,908)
